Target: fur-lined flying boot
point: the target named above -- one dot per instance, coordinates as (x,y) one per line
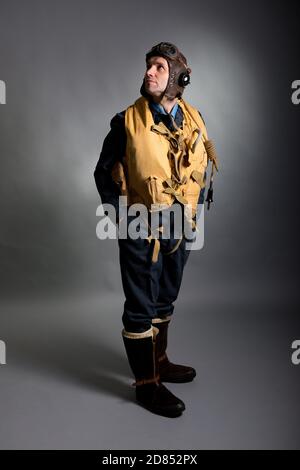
(168,371)
(142,358)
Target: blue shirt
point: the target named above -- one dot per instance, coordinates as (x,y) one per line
(161,110)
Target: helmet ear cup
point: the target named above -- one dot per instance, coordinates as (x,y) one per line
(184,79)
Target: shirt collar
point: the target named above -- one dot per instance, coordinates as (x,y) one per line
(160,109)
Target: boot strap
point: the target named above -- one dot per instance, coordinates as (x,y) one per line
(147,381)
(161,358)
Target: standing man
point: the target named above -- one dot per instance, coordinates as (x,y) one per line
(155,154)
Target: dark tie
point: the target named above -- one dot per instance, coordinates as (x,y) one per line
(167,120)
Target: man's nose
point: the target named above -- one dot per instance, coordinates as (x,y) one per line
(150,71)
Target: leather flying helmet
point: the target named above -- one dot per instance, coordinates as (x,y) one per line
(179,72)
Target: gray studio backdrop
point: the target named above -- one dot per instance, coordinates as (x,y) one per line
(69,66)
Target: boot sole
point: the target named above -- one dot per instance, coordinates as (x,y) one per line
(177,380)
(165,413)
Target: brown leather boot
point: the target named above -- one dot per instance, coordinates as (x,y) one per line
(150,392)
(168,371)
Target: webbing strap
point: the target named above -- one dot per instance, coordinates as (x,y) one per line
(155,379)
(156,247)
(175,247)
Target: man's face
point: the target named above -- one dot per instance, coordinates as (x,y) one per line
(156,76)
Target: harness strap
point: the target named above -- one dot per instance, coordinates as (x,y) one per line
(156,248)
(155,379)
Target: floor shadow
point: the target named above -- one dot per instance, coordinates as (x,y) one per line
(74,357)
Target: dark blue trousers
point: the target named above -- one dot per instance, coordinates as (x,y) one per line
(150,288)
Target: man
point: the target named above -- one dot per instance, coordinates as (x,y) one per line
(155,154)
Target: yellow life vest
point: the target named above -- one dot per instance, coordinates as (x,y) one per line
(161,166)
